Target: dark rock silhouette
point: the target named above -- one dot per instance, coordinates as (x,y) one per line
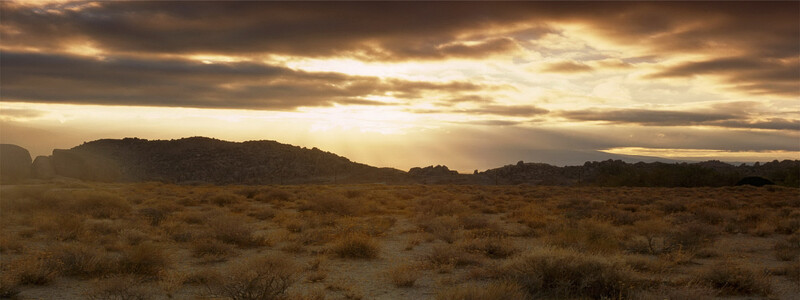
(15,163)
(42,168)
(207,160)
(200,159)
(438,170)
(85,165)
(755,181)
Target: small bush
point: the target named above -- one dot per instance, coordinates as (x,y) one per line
(735,279)
(101,205)
(356,245)
(233,230)
(501,290)
(490,247)
(403,276)
(82,260)
(562,273)
(261,278)
(37,269)
(444,256)
(144,259)
(211,250)
(9,285)
(125,287)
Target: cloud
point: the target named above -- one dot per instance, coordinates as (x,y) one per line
(567,67)
(752,74)
(644,116)
(185,83)
(719,118)
(20,113)
(492,109)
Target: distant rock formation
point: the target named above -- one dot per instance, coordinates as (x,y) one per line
(85,165)
(438,170)
(200,159)
(42,168)
(755,181)
(207,160)
(15,163)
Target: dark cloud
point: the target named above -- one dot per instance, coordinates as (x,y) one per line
(492,109)
(186,83)
(730,118)
(396,31)
(567,67)
(644,116)
(753,74)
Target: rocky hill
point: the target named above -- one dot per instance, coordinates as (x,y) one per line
(200,159)
(620,173)
(207,160)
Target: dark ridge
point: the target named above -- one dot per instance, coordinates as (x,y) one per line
(207,160)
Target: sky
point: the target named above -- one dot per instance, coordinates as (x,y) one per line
(471,85)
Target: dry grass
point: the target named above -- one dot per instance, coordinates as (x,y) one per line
(356,245)
(732,278)
(455,242)
(260,278)
(500,290)
(562,273)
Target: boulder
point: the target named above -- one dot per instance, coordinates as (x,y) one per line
(755,181)
(42,168)
(84,165)
(15,163)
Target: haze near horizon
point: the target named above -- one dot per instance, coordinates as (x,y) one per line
(468,85)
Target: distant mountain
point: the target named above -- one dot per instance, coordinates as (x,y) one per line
(207,160)
(200,159)
(620,173)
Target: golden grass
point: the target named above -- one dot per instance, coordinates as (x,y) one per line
(454,242)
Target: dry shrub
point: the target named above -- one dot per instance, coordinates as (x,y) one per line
(445,228)
(82,260)
(98,204)
(445,256)
(356,245)
(473,221)
(372,226)
(273,195)
(9,285)
(38,268)
(490,247)
(234,230)
(10,243)
(564,273)
(587,235)
(787,249)
(735,279)
(690,236)
(404,275)
(210,250)
(122,287)
(496,290)
(260,278)
(153,215)
(332,203)
(61,226)
(223,198)
(144,259)
(438,206)
(264,213)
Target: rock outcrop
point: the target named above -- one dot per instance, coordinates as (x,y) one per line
(15,163)
(85,165)
(42,168)
(755,181)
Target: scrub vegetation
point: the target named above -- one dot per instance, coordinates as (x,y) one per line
(156,241)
